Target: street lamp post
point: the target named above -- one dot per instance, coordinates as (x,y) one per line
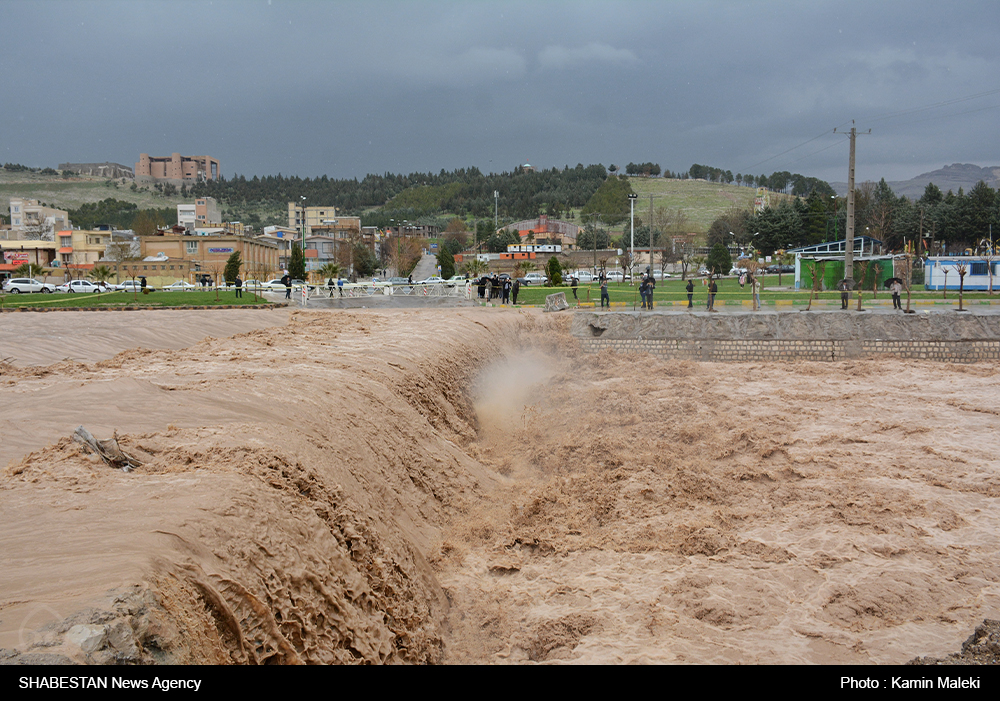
(302,206)
(631,201)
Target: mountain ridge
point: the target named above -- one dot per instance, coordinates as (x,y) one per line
(949,177)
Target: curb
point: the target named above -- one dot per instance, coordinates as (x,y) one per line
(13,310)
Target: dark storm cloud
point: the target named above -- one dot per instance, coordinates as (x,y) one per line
(348,88)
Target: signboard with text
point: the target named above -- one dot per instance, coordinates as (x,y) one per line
(220,250)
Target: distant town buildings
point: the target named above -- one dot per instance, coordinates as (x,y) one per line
(101,170)
(175,169)
(546,230)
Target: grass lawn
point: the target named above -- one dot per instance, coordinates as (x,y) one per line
(703,202)
(129,299)
(729,292)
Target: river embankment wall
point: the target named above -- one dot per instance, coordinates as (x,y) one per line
(778,335)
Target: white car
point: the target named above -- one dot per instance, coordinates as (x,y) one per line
(583,276)
(18,285)
(615,275)
(432,280)
(534,279)
(134,286)
(83,286)
(180,286)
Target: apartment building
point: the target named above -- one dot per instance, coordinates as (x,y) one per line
(321,220)
(29,218)
(204,212)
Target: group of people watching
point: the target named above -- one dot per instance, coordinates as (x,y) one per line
(490,287)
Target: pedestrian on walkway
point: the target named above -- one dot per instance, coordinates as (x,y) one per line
(286,280)
(713,289)
(690,291)
(604,293)
(239,287)
(896,288)
(755,286)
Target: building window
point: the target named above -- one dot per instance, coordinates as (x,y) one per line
(191,247)
(979,268)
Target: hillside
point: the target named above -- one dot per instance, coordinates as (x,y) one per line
(703,202)
(70,193)
(964,175)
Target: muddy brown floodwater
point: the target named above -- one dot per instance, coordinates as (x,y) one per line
(464,486)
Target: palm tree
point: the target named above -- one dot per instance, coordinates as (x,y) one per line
(29,270)
(329,271)
(101,273)
(475,267)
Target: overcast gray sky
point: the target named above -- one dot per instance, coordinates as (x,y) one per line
(349,88)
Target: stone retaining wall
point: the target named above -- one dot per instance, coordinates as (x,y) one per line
(769,336)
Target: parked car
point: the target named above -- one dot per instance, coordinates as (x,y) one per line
(703,271)
(432,280)
(614,275)
(18,285)
(534,279)
(737,271)
(180,285)
(134,286)
(775,269)
(83,286)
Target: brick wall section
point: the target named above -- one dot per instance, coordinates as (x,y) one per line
(775,336)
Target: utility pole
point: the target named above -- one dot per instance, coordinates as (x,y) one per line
(849,249)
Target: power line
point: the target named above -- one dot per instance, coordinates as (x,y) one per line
(946,116)
(935,105)
(787,151)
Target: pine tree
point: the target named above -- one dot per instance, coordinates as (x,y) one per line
(233,266)
(297,265)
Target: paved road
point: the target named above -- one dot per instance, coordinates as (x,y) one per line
(426,267)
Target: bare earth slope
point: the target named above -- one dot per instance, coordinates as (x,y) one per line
(463,486)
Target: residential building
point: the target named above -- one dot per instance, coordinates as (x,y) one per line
(13,254)
(28,218)
(80,249)
(419,230)
(320,220)
(206,211)
(322,249)
(176,169)
(187,216)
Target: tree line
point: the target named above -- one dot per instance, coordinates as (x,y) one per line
(119,214)
(467,191)
(935,223)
